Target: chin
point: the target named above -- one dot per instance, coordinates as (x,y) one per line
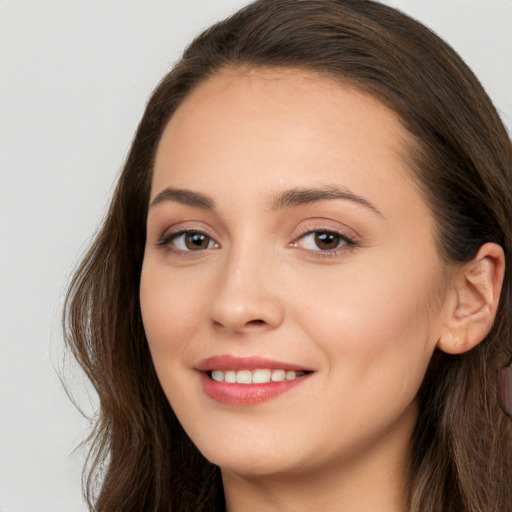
(251,460)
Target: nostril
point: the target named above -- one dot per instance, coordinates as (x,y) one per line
(256,322)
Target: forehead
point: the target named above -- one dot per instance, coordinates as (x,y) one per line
(262,129)
(287,95)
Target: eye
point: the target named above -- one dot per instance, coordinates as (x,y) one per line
(188,240)
(323,241)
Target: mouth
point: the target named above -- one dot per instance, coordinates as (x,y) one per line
(258,376)
(240,381)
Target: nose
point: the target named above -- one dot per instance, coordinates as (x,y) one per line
(247,297)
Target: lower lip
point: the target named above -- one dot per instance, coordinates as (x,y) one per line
(246,394)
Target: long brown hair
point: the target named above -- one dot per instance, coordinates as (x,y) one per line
(461,160)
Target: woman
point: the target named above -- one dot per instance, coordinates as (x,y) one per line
(299,298)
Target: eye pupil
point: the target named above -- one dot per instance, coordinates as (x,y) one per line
(196,241)
(326,241)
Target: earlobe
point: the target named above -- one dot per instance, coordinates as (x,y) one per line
(476,290)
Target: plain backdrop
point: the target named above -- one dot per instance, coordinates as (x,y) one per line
(74,79)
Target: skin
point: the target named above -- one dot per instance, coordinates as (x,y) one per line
(365,317)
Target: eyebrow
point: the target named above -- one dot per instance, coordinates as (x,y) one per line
(186,197)
(299,196)
(288,199)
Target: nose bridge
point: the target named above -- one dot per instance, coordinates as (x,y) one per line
(247,295)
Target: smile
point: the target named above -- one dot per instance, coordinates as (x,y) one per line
(259,376)
(243,381)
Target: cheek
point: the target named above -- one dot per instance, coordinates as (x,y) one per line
(170,309)
(376,324)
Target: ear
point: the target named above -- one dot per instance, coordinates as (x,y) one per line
(472,307)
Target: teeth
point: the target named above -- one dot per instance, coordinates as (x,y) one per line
(218,375)
(230,376)
(278,375)
(244,377)
(261,376)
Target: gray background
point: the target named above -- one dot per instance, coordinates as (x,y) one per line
(75,76)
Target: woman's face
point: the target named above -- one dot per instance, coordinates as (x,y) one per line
(286,240)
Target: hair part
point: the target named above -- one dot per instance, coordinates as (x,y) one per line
(461,161)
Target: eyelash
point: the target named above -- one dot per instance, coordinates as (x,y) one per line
(167,241)
(346,241)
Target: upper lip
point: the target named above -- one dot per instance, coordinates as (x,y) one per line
(230,362)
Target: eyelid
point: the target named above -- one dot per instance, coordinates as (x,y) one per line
(173,232)
(329,226)
(347,238)
(352,241)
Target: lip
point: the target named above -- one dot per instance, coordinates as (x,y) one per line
(229,362)
(246,394)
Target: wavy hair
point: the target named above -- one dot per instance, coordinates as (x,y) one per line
(462,162)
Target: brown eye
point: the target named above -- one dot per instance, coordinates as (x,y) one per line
(323,241)
(327,241)
(196,241)
(187,241)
